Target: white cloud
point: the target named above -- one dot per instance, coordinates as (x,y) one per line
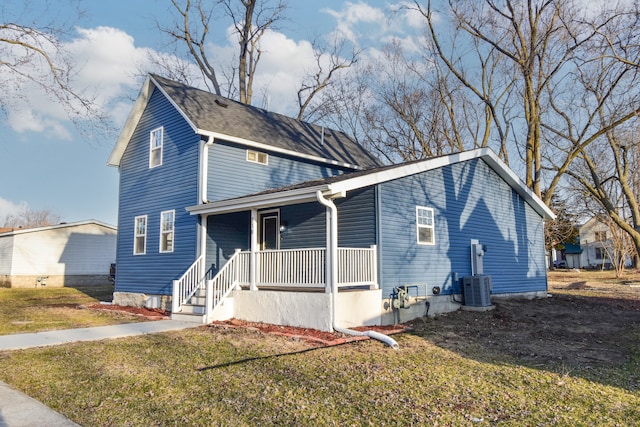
(354,17)
(7,207)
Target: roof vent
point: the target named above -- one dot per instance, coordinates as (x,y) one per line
(221,103)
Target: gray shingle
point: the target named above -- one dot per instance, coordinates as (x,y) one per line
(213,113)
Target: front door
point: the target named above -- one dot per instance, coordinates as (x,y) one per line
(270,230)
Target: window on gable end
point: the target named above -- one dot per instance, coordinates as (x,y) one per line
(140,235)
(167,227)
(425,226)
(156,141)
(257,157)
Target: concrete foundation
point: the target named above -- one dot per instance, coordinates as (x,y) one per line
(308,309)
(313,309)
(134,299)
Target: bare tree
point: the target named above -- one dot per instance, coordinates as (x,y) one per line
(533,43)
(250,18)
(32,51)
(27,218)
(561,230)
(329,62)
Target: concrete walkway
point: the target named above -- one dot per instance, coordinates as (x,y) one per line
(19,410)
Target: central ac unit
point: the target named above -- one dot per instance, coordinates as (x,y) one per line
(477,290)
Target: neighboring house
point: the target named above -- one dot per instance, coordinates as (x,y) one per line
(72,254)
(571,255)
(597,245)
(261,217)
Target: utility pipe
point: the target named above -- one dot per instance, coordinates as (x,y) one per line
(332,243)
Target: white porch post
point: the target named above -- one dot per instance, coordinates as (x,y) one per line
(253,260)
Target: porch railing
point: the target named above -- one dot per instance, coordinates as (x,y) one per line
(218,288)
(187,285)
(357,267)
(306,267)
(295,268)
(291,267)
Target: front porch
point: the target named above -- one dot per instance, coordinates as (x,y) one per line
(286,286)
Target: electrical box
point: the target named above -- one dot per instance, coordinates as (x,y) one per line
(477,290)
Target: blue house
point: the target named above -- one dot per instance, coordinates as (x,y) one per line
(227,210)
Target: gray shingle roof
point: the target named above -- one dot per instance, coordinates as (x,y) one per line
(213,113)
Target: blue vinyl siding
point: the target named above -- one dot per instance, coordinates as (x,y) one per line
(470,201)
(226,233)
(145,191)
(357,219)
(306,226)
(231,175)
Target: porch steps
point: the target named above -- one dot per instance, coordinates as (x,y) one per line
(194,310)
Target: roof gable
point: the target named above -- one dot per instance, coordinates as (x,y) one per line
(222,118)
(340,184)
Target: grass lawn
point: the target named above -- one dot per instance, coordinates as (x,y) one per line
(554,361)
(43,309)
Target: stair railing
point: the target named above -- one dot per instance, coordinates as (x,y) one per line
(187,285)
(225,281)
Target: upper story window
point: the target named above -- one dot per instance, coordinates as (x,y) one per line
(140,235)
(167,225)
(424,226)
(257,157)
(156,140)
(601,236)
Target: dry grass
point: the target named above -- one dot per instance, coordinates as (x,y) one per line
(43,309)
(517,365)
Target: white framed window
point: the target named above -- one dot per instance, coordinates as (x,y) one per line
(257,157)
(156,141)
(167,226)
(140,235)
(425,226)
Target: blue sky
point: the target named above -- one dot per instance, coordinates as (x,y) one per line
(45,163)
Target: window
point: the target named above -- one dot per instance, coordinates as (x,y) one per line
(167,219)
(257,157)
(600,253)
(601,236)
(140,235)
(424,225)
(155,147)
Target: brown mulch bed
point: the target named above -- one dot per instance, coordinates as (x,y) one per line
(307,334)
(147,313)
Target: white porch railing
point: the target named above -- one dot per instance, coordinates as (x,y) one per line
(187,285)
(300,268)
(225,281)
(291,267)
(295,268)
(357,267)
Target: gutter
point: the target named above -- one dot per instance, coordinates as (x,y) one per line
(332,241)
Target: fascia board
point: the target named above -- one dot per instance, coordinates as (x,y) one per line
(267,147)
(258,202)
(402,171)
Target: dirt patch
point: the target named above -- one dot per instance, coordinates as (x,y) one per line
(582,324)
(147,313)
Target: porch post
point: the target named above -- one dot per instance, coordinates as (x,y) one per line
(253,259)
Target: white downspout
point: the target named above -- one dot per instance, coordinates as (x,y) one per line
(202,194)
(332,244)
